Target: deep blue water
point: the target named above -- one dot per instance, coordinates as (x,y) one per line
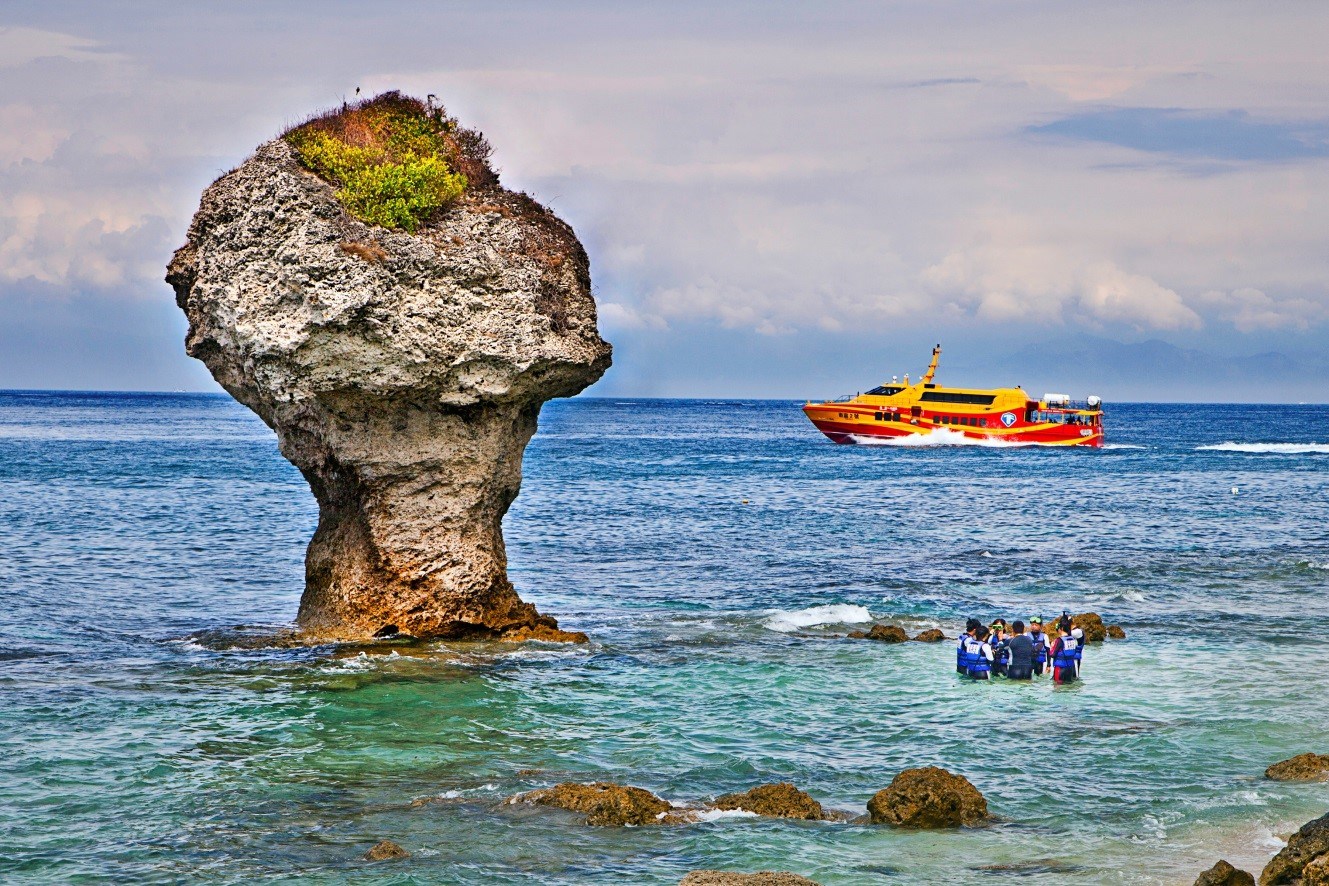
(690,539)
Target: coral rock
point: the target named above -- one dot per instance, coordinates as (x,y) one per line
(931,635)
(929,797)
(1309,845)
(386,850)
(1092,625)
(781,800)
(760,878)
(888,634)
(857,635)
(1316,873)
(403,375)
(1224,874)
(1303,767)
(1115,632)
(605,804)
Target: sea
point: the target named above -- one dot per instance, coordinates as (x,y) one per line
(717,553)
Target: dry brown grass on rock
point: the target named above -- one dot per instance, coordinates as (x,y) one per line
(370,252)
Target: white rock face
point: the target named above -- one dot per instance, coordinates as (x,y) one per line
(403,375)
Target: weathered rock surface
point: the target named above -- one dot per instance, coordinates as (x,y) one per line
(857,635)
(931,635)
(385,850)
(604,804)
(1092,625)
(1308,845)
(403,374)
(1116,632)
(929,797)
(888,634)
(760,878)
(1224,874)
(1303,767)
(781,800)
(1316,873)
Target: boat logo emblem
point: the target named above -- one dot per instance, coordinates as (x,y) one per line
(1008,418)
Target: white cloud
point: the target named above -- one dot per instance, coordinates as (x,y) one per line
(1250,310)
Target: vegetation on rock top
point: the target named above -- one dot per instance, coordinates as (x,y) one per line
(396,160)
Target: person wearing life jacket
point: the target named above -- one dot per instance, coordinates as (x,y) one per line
(1020,654)
(1040,641)
(1064,664)
(1077,634)
(961,659)
(1001,655)
(978,655)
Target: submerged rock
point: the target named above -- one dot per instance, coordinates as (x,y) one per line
(386,850)
(1303,767)
(403,374)
(760,878)
(929,797)
(1224,874)
(857,635)
(1115,632)
(604,804)
(931,635)
(1308,846)
(781,800)
(888,634)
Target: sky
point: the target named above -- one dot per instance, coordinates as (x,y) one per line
(778,199)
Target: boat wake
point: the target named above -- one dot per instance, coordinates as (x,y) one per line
(939,437)
(786,621)
(1268,448)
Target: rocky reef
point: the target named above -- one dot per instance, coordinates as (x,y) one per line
(1224,874)
(929,797)
(1303,767)
(731,878)
(781,800)
(403,372)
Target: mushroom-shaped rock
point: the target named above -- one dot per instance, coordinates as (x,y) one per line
(402,372)
(1224,874)
(888,634)
(931,635)
(929,797)
(386,850)
(1116,632)
(603,803)
(760,878)
(1310,844)
(1303,767)
(781,800)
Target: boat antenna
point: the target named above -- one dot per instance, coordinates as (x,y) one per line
(932,367)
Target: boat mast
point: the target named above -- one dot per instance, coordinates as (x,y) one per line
(932,367)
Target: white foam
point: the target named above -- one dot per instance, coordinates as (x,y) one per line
(940,437)
(1268,448)
(1123,446)
(829,614)
(722,814)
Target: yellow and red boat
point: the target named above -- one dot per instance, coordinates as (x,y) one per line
(900,410)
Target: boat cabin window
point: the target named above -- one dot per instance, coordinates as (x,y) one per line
(957,397)
(885,390)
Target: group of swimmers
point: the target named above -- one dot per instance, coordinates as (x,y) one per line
(985,652)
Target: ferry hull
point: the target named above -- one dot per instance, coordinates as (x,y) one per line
(846,424)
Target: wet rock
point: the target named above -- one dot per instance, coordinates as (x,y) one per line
(929,797)
(547,631)
(781,800)
(760,878)
(385,850)
(888,634)
(1303,767)
(1224,874)
(405,388)
(857,635)
(1115,632)
(931,635)
(604,804)
(1307,845)
(1092,625)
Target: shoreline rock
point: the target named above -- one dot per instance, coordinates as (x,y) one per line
(1302,767)
(929,797)
(403,377)
(386,850)
(605,804)
(732,878)
(888,634)
(1305,858)
(1224,874)
(931,635)
(781,800)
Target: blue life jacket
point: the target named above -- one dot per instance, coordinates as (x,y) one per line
(1068,654)
(977,662)
(1079,650)
(961,657)
(1040,646)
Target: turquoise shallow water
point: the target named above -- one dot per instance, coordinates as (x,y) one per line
(133,750)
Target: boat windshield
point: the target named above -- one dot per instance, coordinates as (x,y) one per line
(885,390)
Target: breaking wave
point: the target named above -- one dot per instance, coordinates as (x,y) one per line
(830,614)
(1268,448)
